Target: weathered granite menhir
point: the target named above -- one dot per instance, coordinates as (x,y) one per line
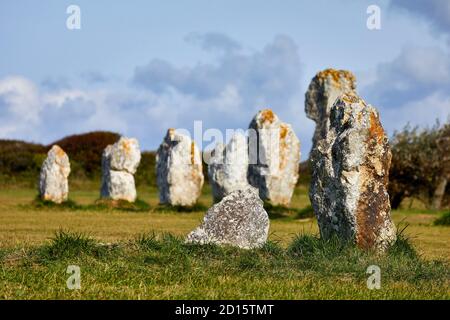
(274,156)
(350,176)
(119,163)
(179,170)
(53,179)
(228,167)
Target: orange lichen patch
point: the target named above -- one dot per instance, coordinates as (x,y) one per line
(376,130)
(283,145)
(267,115)
(59,152)
(372,202)
(336,75)
(192,152)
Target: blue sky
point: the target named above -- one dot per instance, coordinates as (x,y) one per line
(141,67)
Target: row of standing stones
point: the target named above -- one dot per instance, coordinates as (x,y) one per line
(350,161)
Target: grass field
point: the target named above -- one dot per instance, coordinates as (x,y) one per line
(138,253)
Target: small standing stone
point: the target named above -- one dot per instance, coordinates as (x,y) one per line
(238,220)
(350,176)
(53,183)
(228,167)
(323,91)
(179,170)
(119,163)
(274,158)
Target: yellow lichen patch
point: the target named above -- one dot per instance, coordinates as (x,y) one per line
(336,76)
(59,152)
(126,146)
(267,115)
(350,98)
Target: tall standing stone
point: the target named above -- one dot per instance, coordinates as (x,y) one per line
(53,183)
(323,91)
(179,170)
(350,176)
(119,163)
(228,167)
(238,220)
(274,158)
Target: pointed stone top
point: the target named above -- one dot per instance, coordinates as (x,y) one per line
(174,135)
(337,77)
(265,117)
(57,150)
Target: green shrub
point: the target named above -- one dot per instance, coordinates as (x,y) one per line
(443,220)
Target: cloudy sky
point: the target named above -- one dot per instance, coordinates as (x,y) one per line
(141,67)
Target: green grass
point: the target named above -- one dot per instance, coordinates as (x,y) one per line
(136,251)
(162,266)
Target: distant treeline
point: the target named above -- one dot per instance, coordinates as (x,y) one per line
(420,163)
(20,162)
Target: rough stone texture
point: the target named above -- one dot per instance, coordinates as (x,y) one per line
(179,170)
(119,163)
(323,91)
(274,168)
(228,166)
(53,183)
(350,176)
(238,220)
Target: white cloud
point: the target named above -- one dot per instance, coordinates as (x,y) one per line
(435,12)
(413,87)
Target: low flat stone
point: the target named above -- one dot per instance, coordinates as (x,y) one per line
(238,220)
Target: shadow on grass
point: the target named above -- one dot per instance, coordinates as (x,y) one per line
(282,212)
(98,205)
(165,208)
(443,220)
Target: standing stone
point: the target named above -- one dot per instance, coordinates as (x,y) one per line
(119,163)
(323,91)
(350,176)
(53,183)
(238,220)
(228,167)
(274,158)
(179,170)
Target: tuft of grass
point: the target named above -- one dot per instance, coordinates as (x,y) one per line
(66,244)
(443,220)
